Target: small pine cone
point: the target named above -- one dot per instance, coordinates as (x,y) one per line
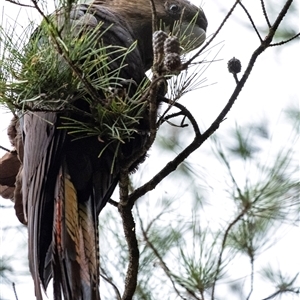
(158,40)
(172,62)
(172,45)
(234,66)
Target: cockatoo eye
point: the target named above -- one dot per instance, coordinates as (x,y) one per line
(174,8)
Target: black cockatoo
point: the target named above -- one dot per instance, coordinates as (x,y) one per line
(63,183)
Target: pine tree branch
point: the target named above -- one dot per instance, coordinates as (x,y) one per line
(163,264)
(125,211)
(252,277)
(286,41)
(56,38)
(15,291)
(279,292)
(219,263)
(5,149)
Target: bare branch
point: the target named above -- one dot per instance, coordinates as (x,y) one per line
(133,250)
(185,112)
(297,292)
(15,291)
(5,149)
(265,13)
(172,165)
(113,202)
(252,276)
(109,280)
(278,20)
(286,41)
(251,20)
(239,216)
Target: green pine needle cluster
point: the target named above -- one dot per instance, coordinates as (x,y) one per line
(48,69)
(188,41)
(53,66)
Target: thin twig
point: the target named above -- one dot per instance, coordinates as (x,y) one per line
(223,157)
(265,13)
(286,41)
(161,261)
(251,20)
(15,291)
(113,202)
(186,64)
(281,292)
(171,116)
(5,149)
(235,78)
(239,216)
(252,276)
(20,4)
(278,20)
(187,114)
(172,165)
(154,16)
(154,220)
(109,280)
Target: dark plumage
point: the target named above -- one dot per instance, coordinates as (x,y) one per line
(63,184)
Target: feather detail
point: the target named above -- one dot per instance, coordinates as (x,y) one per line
(76,263)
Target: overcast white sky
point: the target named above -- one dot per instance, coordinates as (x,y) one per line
(273,84)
